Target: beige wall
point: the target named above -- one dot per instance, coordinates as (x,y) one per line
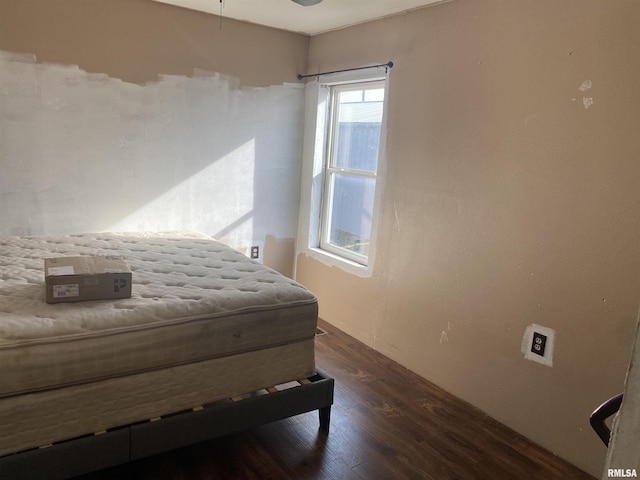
(510,199)
(136,40)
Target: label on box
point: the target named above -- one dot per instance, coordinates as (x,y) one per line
(58,271)
(66,291)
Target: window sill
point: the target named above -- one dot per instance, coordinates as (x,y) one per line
(334,260)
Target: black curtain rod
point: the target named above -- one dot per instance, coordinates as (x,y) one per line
(388,65)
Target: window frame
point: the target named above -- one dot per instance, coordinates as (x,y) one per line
(331,171)
(312,170)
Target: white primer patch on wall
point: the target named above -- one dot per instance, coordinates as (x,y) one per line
(527,339)
(86,152)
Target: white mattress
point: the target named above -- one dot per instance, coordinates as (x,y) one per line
(196,306)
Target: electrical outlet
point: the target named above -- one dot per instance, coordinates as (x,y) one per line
(538,343)
(255,251)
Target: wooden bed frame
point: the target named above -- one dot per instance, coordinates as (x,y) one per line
(131,442)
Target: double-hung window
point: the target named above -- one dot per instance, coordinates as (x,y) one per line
(353,130)
(343,161)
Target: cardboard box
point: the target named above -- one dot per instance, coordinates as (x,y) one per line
(76,279)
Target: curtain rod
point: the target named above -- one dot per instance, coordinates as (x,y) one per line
(387,65)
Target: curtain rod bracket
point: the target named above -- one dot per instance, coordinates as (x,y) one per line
(387,66)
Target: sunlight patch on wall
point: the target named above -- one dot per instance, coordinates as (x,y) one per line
(218,198)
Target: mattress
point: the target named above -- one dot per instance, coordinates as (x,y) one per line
(204,322)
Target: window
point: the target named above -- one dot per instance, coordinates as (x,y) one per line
(343,165)
(352,135)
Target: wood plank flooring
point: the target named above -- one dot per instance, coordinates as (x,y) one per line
(386,423)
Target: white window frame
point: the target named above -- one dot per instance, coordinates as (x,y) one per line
(314,175)
(331,171)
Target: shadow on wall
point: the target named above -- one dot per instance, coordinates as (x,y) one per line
(86,152)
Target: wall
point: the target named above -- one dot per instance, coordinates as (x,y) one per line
(114,121)
(510,198)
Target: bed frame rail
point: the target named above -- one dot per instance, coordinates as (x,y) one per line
(121,445)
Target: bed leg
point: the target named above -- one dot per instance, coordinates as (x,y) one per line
(325,418)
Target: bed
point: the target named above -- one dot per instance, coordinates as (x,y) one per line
(210,342)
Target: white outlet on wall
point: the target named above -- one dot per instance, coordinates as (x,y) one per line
(538,343)
(256,250)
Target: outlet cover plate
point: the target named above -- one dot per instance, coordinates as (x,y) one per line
(538,343)
(544,337)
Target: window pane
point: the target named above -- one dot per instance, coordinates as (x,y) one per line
(374,95)
(351,212)
(357,133)
(351,96)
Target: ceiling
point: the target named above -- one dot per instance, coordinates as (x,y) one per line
(287,15)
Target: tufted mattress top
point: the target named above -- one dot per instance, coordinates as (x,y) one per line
(193,299)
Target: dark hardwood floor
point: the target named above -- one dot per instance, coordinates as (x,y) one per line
(386,423)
